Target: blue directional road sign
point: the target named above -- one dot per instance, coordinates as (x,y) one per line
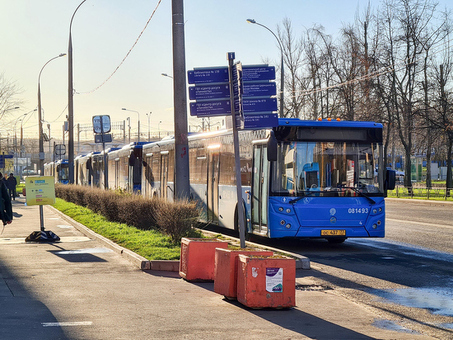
(260,121)
(208,75)
(220,74)
(221,91)
(259,90)
(206,92)
(252,105)
(223,108)
(210,108)
(2,160)
(258,72)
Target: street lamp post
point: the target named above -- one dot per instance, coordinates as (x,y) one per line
(40,136)
(71,103)
(138,122)
(282,74)
(129,128)
(42,235)
(149,126)
(158,128)
(182,183)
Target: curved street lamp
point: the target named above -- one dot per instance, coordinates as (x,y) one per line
(49,235)
(41,143)
(71,104)
(138,122)
(282,74)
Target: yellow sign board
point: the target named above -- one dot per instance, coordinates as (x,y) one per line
(40,190)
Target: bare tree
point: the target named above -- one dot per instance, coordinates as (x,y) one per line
(8,96)
(293,58)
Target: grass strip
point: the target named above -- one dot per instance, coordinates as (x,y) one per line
(150,244)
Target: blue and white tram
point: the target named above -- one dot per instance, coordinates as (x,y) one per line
(125,167)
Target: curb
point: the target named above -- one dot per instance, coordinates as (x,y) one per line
(142,263)
(139,261)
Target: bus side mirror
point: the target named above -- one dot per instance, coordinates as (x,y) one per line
(390,179)
(272,147)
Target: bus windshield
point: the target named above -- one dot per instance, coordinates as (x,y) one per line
(327,169)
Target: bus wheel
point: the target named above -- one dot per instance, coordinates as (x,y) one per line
(336,240)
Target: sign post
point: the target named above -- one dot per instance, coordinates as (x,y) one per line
(237,160)
(101,125)
(41,191)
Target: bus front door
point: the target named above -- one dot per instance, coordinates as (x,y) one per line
(260,189)
(212,195)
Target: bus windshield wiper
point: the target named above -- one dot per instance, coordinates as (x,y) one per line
(360,193)
(306,193)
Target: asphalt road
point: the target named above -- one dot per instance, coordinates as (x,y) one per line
(407,276)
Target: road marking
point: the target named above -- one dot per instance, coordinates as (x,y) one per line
(66,324)
(84,251)
(421,223)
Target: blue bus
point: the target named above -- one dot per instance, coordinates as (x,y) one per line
(58,169)
(304,179)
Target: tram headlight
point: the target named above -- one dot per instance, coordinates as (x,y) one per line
(282,222)
(288,210)
(379,222)
(280,209)
(288,226)
(374,226)
(380,209)
(374,211)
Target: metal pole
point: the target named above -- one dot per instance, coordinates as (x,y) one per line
(282,74)
(282,86)
(182,185)
(240,207)
(71,104)
(105,154)
(40,136)
(138,127)
(149,126)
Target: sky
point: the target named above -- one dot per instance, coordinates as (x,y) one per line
(103,32)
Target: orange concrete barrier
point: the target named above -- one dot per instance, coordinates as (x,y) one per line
(198,258)
(266,282)
(226,269)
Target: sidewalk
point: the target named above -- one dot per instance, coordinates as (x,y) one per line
(80,289)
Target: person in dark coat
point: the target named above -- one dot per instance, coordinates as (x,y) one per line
(6,208)
(11,186)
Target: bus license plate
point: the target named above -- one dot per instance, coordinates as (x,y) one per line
(333,232)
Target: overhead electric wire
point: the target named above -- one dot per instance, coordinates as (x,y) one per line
(368,76)
(127,54)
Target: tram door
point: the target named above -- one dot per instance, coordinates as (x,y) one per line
(213,186)
(163,174)
(260,189)
(117,173)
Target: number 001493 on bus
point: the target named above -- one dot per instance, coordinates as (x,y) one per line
(333,232)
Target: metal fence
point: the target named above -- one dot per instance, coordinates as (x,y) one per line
(434,193)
